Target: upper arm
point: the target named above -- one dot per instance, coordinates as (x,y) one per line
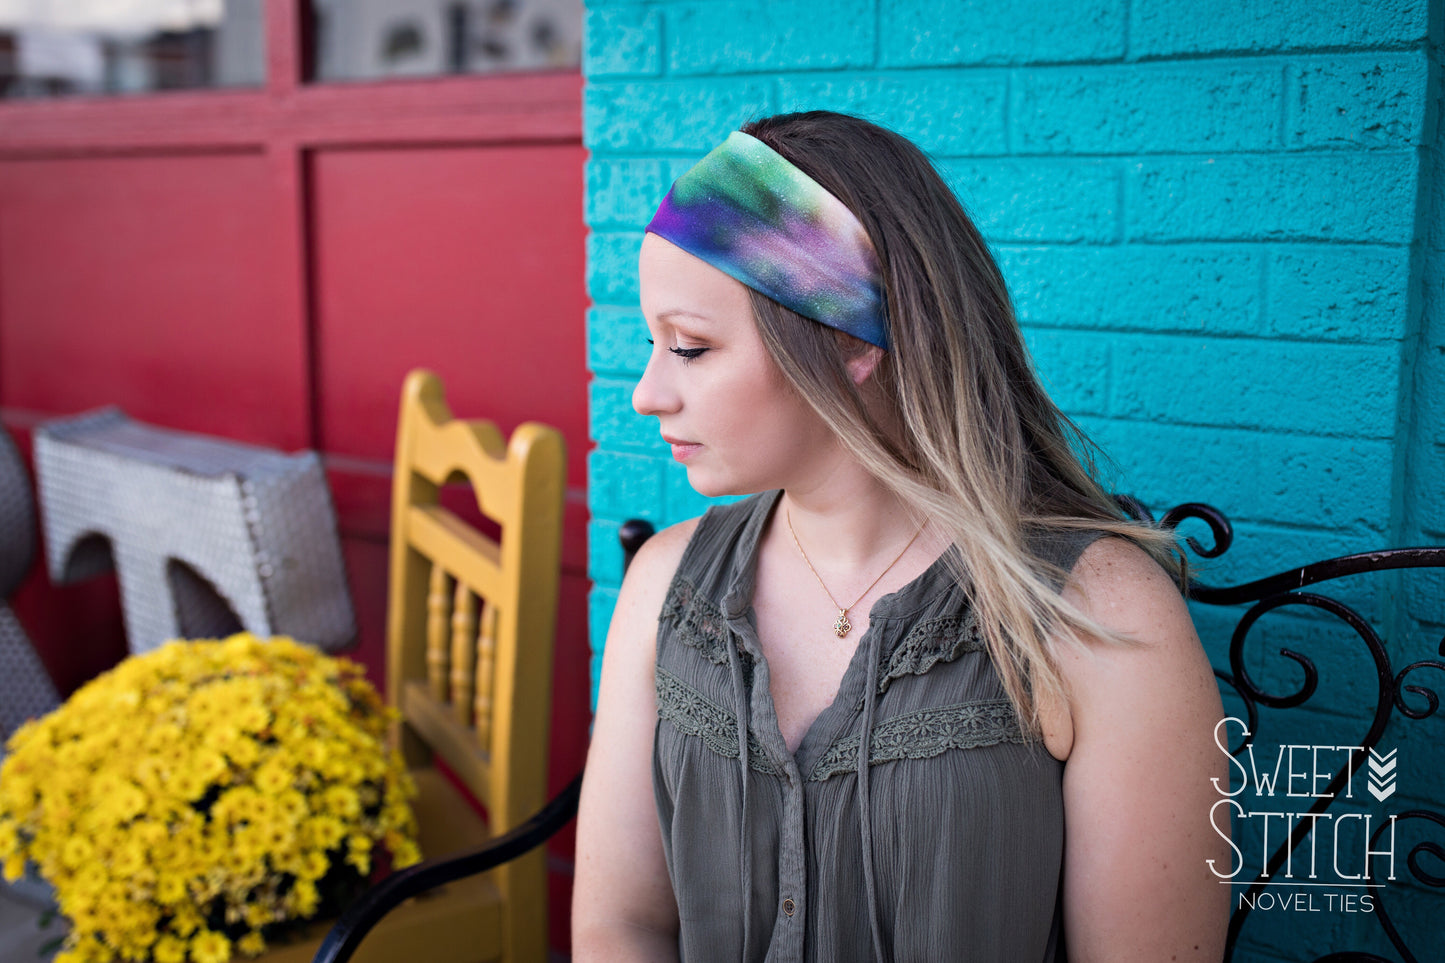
(622,884)
(1137,790)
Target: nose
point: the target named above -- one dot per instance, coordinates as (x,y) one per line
(653,394)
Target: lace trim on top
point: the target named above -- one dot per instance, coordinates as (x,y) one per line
(931,642)
(697,622)
(694,714)
(923,735)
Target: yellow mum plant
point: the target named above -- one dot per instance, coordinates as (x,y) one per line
(201,799)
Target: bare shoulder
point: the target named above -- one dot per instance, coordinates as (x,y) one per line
(660,554)
(1118,585)
(656,563)
(622,897)
(1123,590)
(1139,712)
(644,587)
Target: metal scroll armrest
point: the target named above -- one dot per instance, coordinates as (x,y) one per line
(359,918)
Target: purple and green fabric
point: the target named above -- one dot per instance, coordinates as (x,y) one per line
(751,214)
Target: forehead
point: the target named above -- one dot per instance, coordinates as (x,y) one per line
(672,280)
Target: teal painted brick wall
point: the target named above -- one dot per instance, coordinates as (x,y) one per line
(1224,229)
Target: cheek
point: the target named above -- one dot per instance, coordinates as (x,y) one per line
(773,420)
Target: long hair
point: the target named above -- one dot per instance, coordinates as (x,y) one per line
(953,419)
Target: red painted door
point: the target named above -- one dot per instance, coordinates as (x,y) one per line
(266,264)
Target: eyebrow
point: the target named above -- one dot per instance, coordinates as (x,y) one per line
(671,313)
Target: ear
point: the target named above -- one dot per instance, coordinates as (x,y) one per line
(861,365)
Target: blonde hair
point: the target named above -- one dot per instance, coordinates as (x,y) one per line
(953,418)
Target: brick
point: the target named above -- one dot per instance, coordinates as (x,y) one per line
(621,40)
(1260,550)
(1166,465)
(1425,596)
(613,423)
(1046,200)
(1327,197)
(1361,102)
(625,193)
(693,115)
(1270,385)
(1213,627)
(1328,482)
(1074,368)
(1143,108)
(1323,482)
(604,555)
(612,267)
(623,485)
(600,603)
(1338,293)
(952,114)
(1426,510)
(594,672)
(616,342)
(1428,355)
(742,36)
(1166,27)
(1171,288)
(936,32)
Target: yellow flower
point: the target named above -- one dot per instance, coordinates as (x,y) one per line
(252,944)
(404,852)
(197,782)
(186,921)
(272,778)
(208,946)
(168,949)
(323,832)
(128,859)
(242,751)
(257,915)
(303,897)
(170,889)
(342,802)
(314,865)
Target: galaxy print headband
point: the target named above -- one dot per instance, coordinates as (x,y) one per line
(751,214)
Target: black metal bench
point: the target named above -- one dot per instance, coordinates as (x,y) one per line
(1397,686)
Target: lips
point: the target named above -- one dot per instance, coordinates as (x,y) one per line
(682,450)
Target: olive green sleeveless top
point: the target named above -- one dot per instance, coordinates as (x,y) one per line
(947,845)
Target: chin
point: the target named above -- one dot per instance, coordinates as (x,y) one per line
(710,486)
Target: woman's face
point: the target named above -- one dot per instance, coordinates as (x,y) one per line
(721,403)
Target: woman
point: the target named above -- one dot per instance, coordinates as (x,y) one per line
(922,570)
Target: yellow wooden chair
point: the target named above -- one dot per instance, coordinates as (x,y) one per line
(470,627)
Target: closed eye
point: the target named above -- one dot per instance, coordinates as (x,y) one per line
(687,354)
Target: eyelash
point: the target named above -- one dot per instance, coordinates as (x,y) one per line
(686,354)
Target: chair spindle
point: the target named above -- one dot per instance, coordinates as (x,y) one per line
(464,630)
(436,632)
(486,668)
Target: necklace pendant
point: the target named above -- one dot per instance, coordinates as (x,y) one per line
(842,626)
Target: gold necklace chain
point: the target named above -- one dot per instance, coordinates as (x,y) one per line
(842,626)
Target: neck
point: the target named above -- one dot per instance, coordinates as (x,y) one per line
(848,523)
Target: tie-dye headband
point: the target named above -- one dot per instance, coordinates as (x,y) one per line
(751,214)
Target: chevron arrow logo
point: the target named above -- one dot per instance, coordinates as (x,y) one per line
(1382,774)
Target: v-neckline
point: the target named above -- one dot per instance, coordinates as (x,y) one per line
(828,725)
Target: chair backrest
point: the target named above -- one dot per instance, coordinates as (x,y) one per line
(470,618)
